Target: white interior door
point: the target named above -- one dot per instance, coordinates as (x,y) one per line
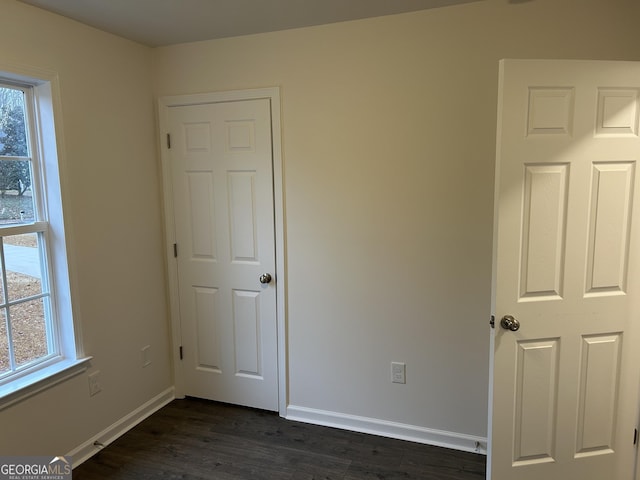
(566,261)
(223,208)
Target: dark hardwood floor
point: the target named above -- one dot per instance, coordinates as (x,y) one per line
(199,439)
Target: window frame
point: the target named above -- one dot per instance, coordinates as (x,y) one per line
(40,227)
(42,112)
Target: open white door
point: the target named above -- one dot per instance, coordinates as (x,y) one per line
(564,386)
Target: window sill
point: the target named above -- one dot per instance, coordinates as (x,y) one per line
(29,385)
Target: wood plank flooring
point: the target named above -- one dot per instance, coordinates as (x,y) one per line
(198,439)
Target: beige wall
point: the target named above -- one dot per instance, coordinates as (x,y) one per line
(389,145)
(114,225)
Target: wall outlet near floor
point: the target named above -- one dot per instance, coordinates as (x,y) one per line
(145,356)
(398,372)
(94,383)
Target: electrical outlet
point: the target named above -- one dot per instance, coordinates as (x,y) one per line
(398,372)
(145,356)
(94,383)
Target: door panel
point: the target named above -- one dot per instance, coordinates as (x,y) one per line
(609,227)
(221,165)
(565,384)
(543,240)
(598,394)
(536,400)
(242,212)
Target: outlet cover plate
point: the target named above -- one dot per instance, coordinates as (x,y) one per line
(145,356)
(94,383)
(398,372)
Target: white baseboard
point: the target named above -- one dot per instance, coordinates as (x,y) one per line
(116,430)
(374,426)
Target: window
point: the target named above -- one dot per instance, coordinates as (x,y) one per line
(37,341)
(27,326)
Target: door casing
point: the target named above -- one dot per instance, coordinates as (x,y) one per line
(164,104)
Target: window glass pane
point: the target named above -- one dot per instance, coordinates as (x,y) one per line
(4,344)
(22,263)
(16,196)
(28,319)
(3,297)
(13,132)
(28,331)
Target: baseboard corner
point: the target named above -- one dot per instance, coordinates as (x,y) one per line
(93,445)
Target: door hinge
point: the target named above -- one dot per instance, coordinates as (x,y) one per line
(492,322)
(635,436)
(168,140)
(175,250)
(180,352)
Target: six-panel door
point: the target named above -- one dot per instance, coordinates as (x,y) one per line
(221,161)
(565,385)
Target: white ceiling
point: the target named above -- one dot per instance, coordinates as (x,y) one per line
(167,22)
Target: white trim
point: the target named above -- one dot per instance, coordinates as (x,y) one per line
(170,240)
(281,266)
(87,449)
(48,112)
(384,428)
(46,127)
(23,228)
(273,94)
(19,389)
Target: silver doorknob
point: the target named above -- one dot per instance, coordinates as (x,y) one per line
(510,323)
(265,278)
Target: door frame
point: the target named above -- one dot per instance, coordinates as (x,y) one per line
(164,104)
